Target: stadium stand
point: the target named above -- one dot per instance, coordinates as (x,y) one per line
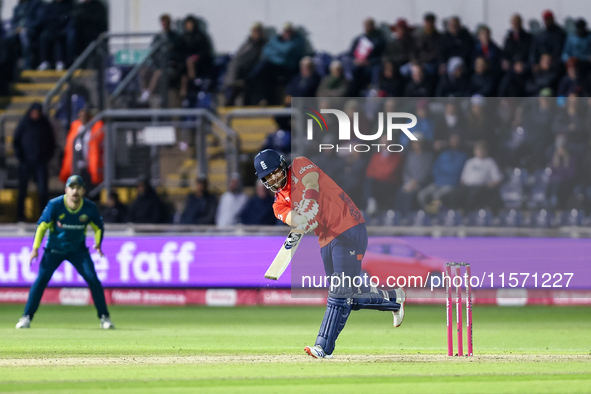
(541,188)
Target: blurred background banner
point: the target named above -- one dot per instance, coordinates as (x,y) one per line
(240,262)
(496,262)
(157,262)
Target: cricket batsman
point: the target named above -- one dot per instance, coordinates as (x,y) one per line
(66,217)
(306,198)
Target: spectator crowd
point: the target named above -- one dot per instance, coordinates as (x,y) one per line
(201,207)
(50,34)
(512,132)
(473,153)
(405,61)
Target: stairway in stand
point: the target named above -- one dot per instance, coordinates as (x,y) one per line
(32,87)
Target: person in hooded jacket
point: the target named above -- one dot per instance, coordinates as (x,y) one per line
(89,19)
(34,145)
(53,39)
(147,207)
(196,53)
(456,83)
(201,205)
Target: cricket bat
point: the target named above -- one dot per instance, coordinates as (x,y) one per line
(281,261)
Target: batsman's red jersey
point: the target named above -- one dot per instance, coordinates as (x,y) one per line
(336,213)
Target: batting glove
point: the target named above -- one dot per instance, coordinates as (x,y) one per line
(307,211)
(303,223)
(309,205)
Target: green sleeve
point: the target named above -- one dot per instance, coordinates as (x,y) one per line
(40,233)
(98,234)
(96,222)
(45,222)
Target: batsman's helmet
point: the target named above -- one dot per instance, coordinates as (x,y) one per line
(266,162)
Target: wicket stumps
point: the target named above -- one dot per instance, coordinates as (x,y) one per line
(457,283)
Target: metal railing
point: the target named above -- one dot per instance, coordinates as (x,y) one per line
(115,118)
(158,46)
(130,229)
(297,144)
(96,47)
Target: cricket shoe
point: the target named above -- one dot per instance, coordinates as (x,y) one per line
(106,323)
(317,352)
(24,322)
(400,298)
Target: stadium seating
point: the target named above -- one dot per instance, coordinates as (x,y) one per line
(480,218)
(391,218)
(418,218)
(573,218)
(511,218)
(449,218)
(522,189)
(539,182)
(542,219)
(512,192)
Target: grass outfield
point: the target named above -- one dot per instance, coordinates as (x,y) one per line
(260,349)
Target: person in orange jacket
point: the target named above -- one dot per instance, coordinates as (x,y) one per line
(86,147)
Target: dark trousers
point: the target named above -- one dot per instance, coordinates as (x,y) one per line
(559,192)
(27,171)
(362,75)
(25,41)
(342,257)
(406,201)
(84,265)
(263,81)
(55,41)
(344,253)
(383,192)
(471,198)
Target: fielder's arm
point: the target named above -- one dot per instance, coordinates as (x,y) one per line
(40,233)
(96,222)
(45,222)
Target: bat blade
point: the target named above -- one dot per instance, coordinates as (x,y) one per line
(283,258)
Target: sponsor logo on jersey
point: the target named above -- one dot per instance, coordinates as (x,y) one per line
(71,226)
(306,168)
(62,216)
(83,218)
(294,179)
